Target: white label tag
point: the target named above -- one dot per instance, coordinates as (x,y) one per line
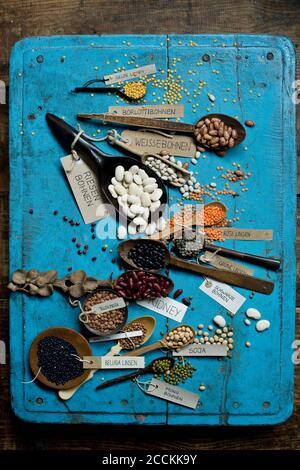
(129,74)
(178,395)
(128,334)
(108,305)
(202,350)
(85,188)
(153,111)
(223,294)
(151,142)
(165,306)
(224,263)
(110,362)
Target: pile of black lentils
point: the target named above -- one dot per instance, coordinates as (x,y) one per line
(56,361)
(148,255)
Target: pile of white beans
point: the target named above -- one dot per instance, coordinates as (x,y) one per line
(138,197)
(165,171)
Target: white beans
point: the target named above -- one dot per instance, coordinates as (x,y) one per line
(138,196)
(220,321)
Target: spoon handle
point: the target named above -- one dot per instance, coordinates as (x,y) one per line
(123,378)
(269,263)
(95,90)
(145,349)
(241,280)
(141,122)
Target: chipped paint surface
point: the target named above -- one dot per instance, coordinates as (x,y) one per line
(237,390)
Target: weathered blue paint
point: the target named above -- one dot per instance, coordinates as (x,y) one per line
(256,385)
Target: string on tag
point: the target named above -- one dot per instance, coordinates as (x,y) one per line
(83,316)
(34,379)
(113,136)
(144,386)
(78,358)
(206,258)
(129,339)
(74,154)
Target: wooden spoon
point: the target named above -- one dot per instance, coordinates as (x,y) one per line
(221,206)
(80,344)
(147,321)
(133,375)
(162,343)
(173,126)
(228,277)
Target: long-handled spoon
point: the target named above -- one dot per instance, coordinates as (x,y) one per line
(236,279)
(150,368)
(173,126)
(105,164)
(86,88)
(149,324)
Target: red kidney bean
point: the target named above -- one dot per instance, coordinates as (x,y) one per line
(186,301)
(137,285)
(177,293)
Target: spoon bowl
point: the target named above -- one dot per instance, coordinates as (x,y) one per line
(229,121)
(147,321)
(221,206)
(80,344)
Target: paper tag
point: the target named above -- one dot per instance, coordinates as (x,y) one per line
(246,234)
(85,188)
(224,263)
(150,142)
(2,92)
(129,74)
(202,350)
(165,306)
(110,362)
(108,305)
(128,334)
(223,294)
(178,395)
(153,111)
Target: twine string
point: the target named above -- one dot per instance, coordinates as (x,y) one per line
(34,379)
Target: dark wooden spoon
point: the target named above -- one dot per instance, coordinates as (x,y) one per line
(133,375)
(104,163)
(241,280)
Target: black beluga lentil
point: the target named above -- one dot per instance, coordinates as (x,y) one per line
(56,360)
(147,255)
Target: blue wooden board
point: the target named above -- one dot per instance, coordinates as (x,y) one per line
(256,385)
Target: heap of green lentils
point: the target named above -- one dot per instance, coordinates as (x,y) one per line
(173,374)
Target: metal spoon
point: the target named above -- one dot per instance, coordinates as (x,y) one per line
(133,375)
(119,91)
(241,280)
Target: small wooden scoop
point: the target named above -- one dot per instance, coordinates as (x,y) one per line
(241,280)
(147,321)
(149,324)
(162,343)
(133,375)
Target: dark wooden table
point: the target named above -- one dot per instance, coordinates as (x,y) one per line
(19,19)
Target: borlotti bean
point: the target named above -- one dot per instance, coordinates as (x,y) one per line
(138,195)
(215,134)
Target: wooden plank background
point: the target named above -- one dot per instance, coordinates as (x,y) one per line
(23,18)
